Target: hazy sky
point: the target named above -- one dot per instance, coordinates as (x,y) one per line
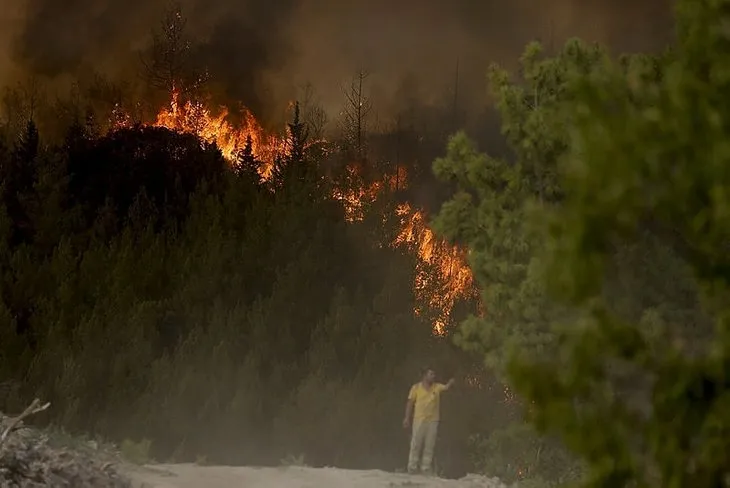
(259,49)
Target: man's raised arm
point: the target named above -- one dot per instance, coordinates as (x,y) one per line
(449,384)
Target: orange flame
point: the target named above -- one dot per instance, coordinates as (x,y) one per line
(194,118)
(442,275)
(357,194)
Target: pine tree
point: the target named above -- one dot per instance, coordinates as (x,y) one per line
(608,200)
(246,164)
(298,134)
(491,213)
(294,169)
(166,65)
(246,157)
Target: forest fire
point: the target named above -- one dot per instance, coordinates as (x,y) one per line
(442,275)
(355,199)
(358,194)
(195,118)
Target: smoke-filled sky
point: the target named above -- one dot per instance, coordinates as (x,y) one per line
(259,50)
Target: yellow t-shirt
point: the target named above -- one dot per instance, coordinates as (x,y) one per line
(426,401)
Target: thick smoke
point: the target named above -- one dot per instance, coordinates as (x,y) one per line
(243,46)
(260,51)
(427,37)
(235,40)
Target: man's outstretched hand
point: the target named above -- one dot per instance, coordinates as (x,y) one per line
(450,383)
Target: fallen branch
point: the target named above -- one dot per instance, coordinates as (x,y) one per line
(33,408)
(29,459)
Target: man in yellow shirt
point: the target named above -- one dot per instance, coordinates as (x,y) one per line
(423,408)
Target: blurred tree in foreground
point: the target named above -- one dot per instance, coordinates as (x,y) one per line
(612,258)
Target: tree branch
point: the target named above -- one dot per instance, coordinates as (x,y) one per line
(32,409)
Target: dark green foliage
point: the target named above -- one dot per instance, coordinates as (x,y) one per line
(246,164)
(153,167)
(490,211)
(602,253)
(516,452)
(18,170)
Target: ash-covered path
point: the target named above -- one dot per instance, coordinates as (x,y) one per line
(193,476)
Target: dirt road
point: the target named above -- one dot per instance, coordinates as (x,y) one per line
(193,476)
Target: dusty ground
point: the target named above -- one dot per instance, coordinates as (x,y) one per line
(193,476)
(30,458)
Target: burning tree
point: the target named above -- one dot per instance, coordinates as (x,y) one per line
(168,65)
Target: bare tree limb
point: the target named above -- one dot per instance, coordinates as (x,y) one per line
(355,115)
(167,64)
(32,409)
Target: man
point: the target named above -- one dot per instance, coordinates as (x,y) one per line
(423,408)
